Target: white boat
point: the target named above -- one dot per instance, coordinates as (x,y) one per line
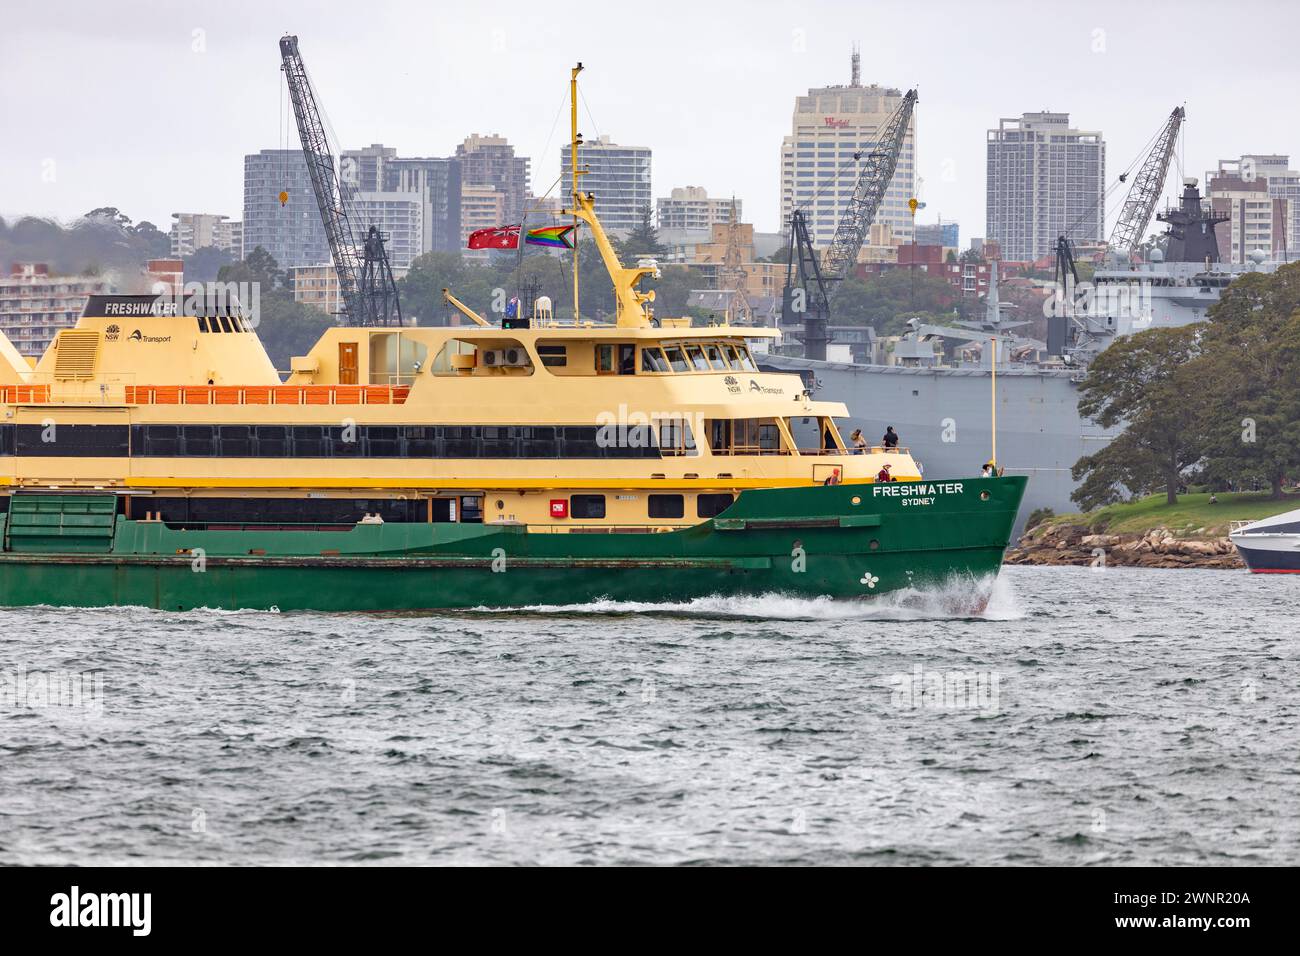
(1270,545)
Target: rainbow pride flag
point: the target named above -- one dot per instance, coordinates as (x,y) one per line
(556,237)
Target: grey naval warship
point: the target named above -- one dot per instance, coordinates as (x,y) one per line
(943,410)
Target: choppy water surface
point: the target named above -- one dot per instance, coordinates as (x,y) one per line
(1127,716)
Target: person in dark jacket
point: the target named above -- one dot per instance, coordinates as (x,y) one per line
(890,441)
(884,474)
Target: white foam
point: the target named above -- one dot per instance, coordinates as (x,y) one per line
(989,597)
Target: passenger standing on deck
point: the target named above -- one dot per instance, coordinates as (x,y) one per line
(859,443)
(890,440)
(884,475)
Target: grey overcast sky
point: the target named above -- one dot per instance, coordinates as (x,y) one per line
(150,106)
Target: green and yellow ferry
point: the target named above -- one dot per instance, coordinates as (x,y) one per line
(154,457)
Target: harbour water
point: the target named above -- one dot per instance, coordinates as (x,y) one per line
(1120,716)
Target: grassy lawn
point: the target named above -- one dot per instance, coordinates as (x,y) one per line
(1193,516)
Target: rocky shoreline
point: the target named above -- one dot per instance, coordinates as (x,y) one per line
(1060,544)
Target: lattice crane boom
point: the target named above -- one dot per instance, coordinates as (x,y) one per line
(877,171)
(1140,203)
(365,277)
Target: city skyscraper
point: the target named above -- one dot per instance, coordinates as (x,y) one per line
(1271,226)
(291,231)
(1044,180)
(691,208)
(818,171)
(491,161)
(618,176)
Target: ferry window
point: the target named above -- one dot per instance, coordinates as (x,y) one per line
(553,355)
(471,508)
(667,506)
(460,441)
(225,324)
(307,442)
(675,436)
(236,440)
(344,441)
(580,442)
(746,362)
(272,440)
(537,441)
(729,357)
(710,506)
(498,441)
(203,323)
(697,358)
(652,360)
(421,441)
(714,354)
(381,442)
(677,359)
(587,506)
(198,439)
(626,359)
(605,359)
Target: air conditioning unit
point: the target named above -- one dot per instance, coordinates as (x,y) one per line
(504,358)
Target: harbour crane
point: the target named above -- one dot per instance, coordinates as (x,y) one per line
(1134,218)
(365,275)
(810,283)
(1140,203)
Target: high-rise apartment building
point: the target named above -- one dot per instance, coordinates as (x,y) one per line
(35,305)
(618,176)
(438,181)
(196,230)
(1045,180)
(691,208)
(400,218)
(818,171)
(291,231)
(1280,183)
(491,161)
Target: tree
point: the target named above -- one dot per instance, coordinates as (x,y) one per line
(258,266)
(1251,362)
(641,242)
(156,243)
(1148,383)
(887,301)
(205,264)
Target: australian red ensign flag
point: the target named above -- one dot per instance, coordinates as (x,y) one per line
(498,237)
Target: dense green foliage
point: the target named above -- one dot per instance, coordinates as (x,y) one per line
(1217,402)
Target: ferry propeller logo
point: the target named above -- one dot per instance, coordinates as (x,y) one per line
(869,579)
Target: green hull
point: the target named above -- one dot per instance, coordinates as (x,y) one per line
(808,542)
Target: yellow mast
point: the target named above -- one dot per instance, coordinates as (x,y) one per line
(994,342)
(573,164)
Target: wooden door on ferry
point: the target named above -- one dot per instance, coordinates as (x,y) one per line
(347,363)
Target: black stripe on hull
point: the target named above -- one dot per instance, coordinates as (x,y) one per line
(1263,561)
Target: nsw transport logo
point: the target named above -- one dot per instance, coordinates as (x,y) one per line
(112,332)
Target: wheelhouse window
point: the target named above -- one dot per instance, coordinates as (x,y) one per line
(677,358)
(652,360)
(714,354)
(698,361)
